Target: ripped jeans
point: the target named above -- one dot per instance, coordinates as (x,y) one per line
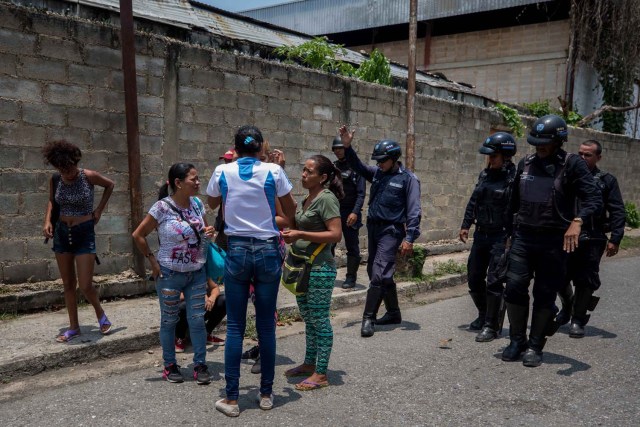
(194,286)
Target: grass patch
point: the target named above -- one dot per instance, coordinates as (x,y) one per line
(630,242)
(250,331)
(288,318)
(8,316)
(449,267)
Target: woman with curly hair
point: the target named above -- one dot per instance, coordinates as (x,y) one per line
(74,240)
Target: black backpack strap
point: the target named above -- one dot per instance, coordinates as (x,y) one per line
(179,212)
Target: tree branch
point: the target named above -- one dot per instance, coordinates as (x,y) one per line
(589,118)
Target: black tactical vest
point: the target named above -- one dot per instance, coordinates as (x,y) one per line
(544,201)
(349,184)
(492,195)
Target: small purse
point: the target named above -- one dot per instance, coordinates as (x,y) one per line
(296,270)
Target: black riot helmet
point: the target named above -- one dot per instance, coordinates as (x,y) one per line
(386,149)
(337,143)
(547,130)
(499,142)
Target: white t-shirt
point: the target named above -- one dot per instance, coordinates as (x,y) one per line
(249,189)
(179,250)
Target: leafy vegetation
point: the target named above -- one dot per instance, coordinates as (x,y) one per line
(376,69)
(512,117)
(322,55)
(605,35)
(633,218)
(630,242)
(543,108)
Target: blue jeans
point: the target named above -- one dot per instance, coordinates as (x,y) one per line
(194,286)
(256,261)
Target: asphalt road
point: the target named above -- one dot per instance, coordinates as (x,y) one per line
(400,376)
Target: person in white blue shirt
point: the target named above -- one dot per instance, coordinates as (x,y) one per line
(247,190)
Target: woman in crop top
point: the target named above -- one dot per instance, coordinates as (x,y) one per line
(71,192)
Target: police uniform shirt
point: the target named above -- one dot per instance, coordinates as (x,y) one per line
(613,206)
(354,188)
(394,196)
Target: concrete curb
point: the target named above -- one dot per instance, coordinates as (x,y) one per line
(72,354)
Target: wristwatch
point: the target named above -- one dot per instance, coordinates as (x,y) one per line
(578,220)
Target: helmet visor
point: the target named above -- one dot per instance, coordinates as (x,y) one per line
(486,150)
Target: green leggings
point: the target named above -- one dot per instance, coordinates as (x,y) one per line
(314,309)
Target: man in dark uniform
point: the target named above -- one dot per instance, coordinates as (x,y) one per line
(545,190)
(584,264)
(350,211)
(488,209)
(393,222)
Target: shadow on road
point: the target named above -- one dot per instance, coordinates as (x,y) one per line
(558,359)
(590,331)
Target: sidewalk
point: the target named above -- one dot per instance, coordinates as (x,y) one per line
(29,345)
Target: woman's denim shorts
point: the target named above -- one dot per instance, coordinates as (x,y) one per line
(78,240)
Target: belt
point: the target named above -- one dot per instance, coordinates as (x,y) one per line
(489,230)
(253,239)
(381,222)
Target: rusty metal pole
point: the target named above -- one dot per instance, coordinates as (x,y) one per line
(131,111)
(411,86)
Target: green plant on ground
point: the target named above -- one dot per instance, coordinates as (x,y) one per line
(512,117)
(629,242)
(633,218)
(250,331)
(289,317)
(8,316)
(376,69)
(448,267)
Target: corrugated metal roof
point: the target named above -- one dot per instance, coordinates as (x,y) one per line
(191,14)
(336,16)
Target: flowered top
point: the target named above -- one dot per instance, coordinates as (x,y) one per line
(179,250)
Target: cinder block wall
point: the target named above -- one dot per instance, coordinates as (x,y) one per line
(525,63)
(61,78)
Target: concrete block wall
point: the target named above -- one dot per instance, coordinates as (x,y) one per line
(526,63)
(64,81)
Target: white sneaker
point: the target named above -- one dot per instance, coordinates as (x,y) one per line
(266,403)
(228,410)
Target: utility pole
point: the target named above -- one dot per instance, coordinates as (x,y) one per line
(131,112)
(411,85)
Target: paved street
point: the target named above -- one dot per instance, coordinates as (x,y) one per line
(398,377)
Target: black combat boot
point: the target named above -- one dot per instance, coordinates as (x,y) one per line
(518,316)
(584,300)
(392,316)
(566,297)
(541,326)
(353,263)
(371,306)
(480,300)
(491,324)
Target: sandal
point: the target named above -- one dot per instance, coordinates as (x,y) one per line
(307,385)
(68,335)
(298,371)
(104,321)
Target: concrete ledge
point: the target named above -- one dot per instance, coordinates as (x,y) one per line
(28,351)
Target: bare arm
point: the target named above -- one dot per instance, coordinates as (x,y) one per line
(288,208)
(96,178)
(47,228)
(214,202)
(333,234)
(140,234)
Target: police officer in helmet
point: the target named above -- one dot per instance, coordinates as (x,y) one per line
(393,222)
(584,264)
(488,209)
(354,187)
(548,186)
